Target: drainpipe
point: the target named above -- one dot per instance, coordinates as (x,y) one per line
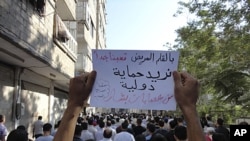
(16,114)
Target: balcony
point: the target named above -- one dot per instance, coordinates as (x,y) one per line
(66,9)
(64,39)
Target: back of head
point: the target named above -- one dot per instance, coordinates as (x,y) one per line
(101,124)
(108,123)
(161,123)
(21,127)
(139,121)
(151,128)
(172,124)
(107,133)
(40,117)
(220,121)
(90,121)
(243,123)
(158,137)
(180,132)
(2,118)
(18,135)
(112,121)
(125,125)
(47,127)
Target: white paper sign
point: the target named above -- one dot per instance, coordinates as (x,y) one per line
(134,79)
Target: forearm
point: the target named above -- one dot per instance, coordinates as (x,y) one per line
(194,129)
(66,129)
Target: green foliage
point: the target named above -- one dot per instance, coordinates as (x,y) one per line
(215,48)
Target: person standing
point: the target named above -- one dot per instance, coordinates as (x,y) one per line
(38,127)
(222,129)
(46,133)
(3,129)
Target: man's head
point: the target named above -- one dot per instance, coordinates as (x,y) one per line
(220,121)
(2,118)
(139,121)
(180,133)
(107,133)
(108,123)
(151,127)
(40,117)
(47,127)
(18,135)
(124,125)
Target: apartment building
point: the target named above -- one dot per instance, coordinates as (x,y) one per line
(44,43)
(91,19)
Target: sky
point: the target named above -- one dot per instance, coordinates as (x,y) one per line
(142,24)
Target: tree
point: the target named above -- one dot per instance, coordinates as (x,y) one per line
(215,47)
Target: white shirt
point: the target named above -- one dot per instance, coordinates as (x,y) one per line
(38,127)
(99,134)
(105,139)
(124,136)
(3,131)
(92,129)
(45,138)
(86,135)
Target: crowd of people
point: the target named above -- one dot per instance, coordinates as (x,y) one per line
(125,126)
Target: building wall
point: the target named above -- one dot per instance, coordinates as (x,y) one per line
(33,34)
(6,92)
(20,22)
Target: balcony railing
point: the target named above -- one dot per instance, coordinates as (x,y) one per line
(63,38)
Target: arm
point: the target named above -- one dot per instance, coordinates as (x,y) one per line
(79,90)
(186,94)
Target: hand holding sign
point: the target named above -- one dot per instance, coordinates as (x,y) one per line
(134,79)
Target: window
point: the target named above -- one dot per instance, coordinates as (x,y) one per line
(39,6)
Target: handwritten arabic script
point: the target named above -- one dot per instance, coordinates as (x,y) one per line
(134,79)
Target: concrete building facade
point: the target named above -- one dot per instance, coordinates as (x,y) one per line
(44,43)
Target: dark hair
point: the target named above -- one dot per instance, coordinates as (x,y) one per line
(101,123)
(139,121)
(107,133)
(90,121)
(125,125)
(1,118)
(151,127)
(161,123)
(18,135)
(220,121)
(79,120)
(180,132)
(158,137)
(47,127)
(108,123)
(172,124)
(243,123)
(112,121)
(21,127)
(40,117)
